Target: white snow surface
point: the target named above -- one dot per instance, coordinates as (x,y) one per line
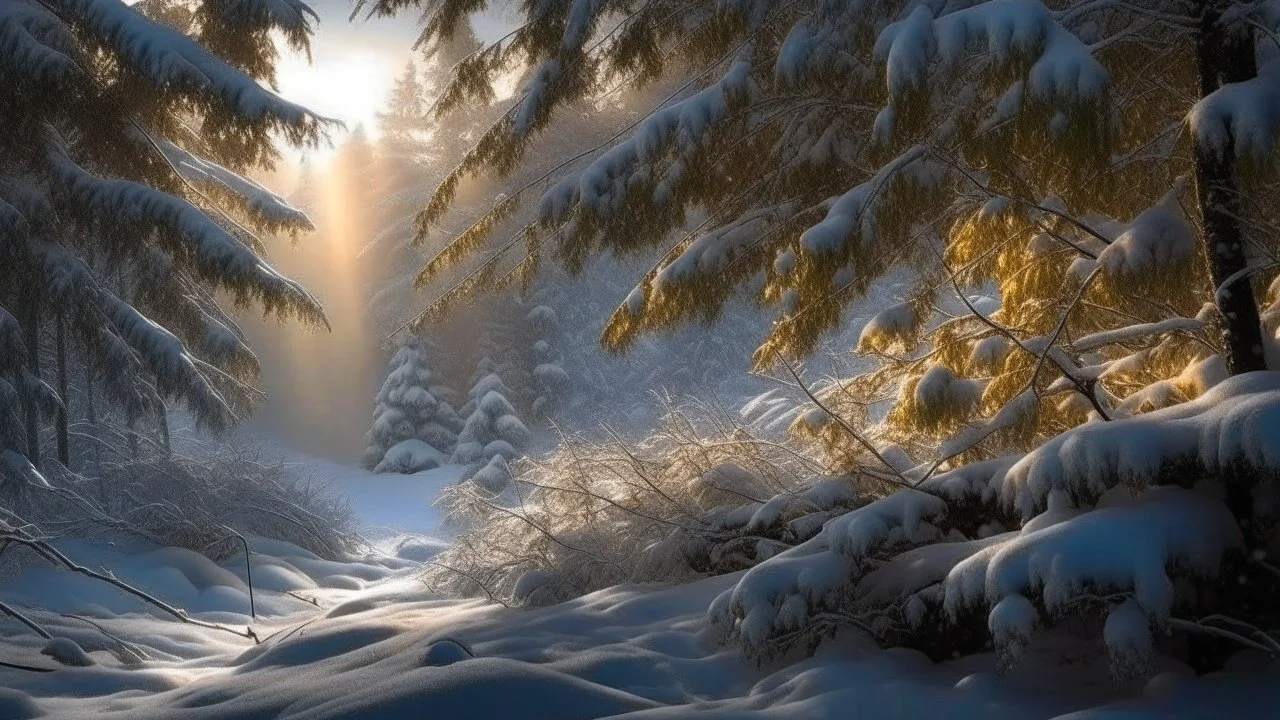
(363,638)
(385,647)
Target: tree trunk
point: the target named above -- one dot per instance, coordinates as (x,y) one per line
(64,436)
(1223,57)
(31,408)
(132,434)
(164,430)
(92,416)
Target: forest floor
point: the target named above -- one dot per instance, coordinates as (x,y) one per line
(364,638)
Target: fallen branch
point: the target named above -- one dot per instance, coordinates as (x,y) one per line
(128,647)
(54,556)
(7,610)
(28,668)
(303,598)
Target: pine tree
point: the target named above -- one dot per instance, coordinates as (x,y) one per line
(1081,194)
(551,381)
(404,117)
(124,211)
(1037,168)
(493,428)
(412,430)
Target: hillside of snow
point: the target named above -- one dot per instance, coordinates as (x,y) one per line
(364,638)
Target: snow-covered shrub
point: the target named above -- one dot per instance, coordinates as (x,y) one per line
(701,496)
(1093,521)
(410,456)
(186,501)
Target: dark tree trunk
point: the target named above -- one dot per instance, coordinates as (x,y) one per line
(164,430)
(132,433)
(64,436)
(1223,57)
(31,406)
(91,411)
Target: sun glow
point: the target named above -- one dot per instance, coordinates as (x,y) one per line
(320,384)
(348,84)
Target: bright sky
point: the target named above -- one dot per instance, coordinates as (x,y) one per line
(355,63)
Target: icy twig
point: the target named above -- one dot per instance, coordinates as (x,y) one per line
(35,627)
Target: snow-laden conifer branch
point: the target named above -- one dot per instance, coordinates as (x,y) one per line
(266,205)
(217,255)
(166,57)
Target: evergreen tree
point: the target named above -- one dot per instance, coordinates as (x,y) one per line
(551,381)
(121,134)
(493,428)
(412,430)
(403,119)
(1014,151)
(1080,263)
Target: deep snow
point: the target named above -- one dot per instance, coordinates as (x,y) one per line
(386,505)
(365,639)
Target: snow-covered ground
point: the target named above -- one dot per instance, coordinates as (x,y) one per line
(365,639)
(386,505)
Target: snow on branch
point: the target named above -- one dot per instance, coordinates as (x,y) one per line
(577,27)
(821,44)
(167,57)
(1010,31)
(1017,410)
(219,256)
(602,186)
(900,517)
(1233,426)
(175,370)
(776,596)
(1158,239)
(1130,333)
(34,43)
(163,354)
(854,214)
(1097,552)
(1243,116)
(712,252)
(262,202)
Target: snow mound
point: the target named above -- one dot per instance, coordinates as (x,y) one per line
(395,650)
(418,549)
(1233,427)
(1098,551)
(16,705)
(446,652)
(410,456)
(66,652)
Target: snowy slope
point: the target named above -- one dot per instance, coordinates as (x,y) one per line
(365,638)
(386,504)
(392,650)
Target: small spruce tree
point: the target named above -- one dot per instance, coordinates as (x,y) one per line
(412,430)
(492,428)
